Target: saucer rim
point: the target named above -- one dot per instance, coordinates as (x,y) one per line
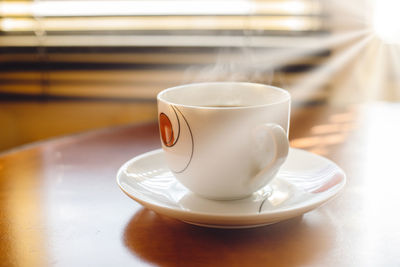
(232,219)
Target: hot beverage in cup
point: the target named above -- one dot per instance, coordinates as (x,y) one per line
(224,140)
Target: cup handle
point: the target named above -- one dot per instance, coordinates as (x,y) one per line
(271,135)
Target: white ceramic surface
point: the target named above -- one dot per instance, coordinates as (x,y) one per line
(304,182)
(224,152)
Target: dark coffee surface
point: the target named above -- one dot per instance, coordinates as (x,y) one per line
(224,106)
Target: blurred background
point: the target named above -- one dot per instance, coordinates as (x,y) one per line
(71,66)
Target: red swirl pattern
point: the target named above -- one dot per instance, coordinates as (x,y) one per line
(167,133)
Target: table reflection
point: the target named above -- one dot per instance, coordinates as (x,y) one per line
(296,242)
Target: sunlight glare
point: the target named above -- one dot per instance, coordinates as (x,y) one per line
(387,20)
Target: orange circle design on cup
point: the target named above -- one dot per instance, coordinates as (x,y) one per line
(167,133)
(170,135)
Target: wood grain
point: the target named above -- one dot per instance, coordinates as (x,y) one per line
(60,205)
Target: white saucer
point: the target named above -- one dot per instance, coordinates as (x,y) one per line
(304,182)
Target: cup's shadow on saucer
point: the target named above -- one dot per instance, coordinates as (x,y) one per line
(165,242)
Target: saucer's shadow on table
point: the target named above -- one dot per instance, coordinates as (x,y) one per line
(170,242)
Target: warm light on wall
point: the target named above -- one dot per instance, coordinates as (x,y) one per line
(161,23)
(155,7)
(76,22)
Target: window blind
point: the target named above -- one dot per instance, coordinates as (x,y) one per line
(129,50)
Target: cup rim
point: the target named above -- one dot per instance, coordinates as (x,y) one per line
(287,95)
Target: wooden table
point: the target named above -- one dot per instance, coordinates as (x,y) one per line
(60,205)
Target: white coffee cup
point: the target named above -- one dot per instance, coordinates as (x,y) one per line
(224,140)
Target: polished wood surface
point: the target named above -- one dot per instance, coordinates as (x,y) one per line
(60,205)
(25,122)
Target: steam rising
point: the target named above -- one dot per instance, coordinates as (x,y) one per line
(358,65)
